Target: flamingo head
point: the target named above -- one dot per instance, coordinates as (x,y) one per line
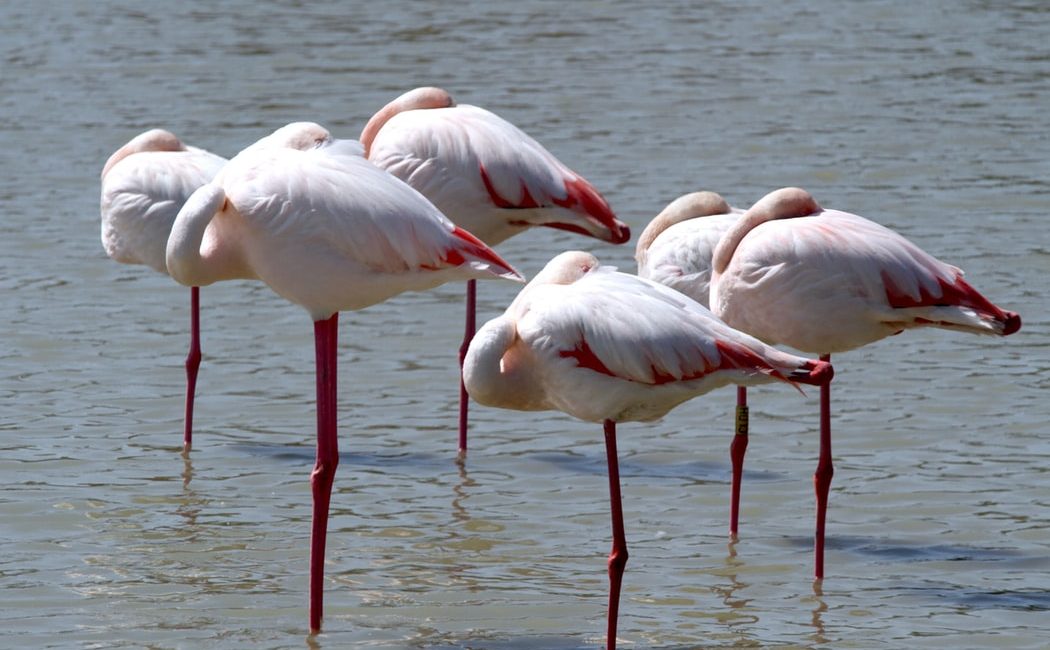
(425,97)
(152,140)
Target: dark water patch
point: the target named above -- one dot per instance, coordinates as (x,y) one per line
(300,454)
(640,466)
(887,551)
(548,642)
(1029,600)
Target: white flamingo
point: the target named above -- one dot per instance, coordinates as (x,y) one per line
(675,249)
(144,184)
(329,231)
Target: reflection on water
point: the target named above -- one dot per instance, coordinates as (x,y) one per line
(729,593)
(820,608)
(926,117)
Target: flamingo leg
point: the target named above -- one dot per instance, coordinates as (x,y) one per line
(618,555)
(736,454)
(193,362)
(822,477)
(325,340)
(468,336)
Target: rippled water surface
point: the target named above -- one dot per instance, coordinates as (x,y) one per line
(928,117)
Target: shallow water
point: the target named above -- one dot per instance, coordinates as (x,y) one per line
(929,118)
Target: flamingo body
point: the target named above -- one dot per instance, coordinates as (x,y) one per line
(144,185)
(829,281)
(602,345)
(325,229)
(486,174)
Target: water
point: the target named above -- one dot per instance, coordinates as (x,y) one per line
(929,117)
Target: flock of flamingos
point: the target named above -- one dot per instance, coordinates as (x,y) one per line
(431,185)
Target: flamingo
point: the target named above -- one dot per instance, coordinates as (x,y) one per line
(826,281)
(144,184)
(605,346)
(675,249)
(485,174)
(327,230)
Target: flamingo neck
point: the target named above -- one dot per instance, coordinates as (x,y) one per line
(494,371)
(418,98)
(785,203)
(152,140)
(684,208)
(220,260)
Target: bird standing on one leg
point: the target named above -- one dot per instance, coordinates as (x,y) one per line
(826,281)
(610,347)
(144,185)
(329,231)
(485,174)
(675,249)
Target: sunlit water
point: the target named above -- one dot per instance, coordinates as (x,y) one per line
(929,117)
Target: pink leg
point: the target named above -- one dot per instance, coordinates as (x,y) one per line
(618,555)
(325,338)
(736,454)
(468,336)
(193,362)
(822,477)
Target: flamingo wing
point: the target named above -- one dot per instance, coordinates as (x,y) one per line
(334,232)
(836,281)
(636,330)
(345,205)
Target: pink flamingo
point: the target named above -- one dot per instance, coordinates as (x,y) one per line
(610,347)
(144,184)
(329,231)
(675,249)
(825,281)
(485,174)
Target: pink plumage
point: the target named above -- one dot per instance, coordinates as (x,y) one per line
(824,281)
(326,229)
(605,346)
(485,174)
(676,247)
